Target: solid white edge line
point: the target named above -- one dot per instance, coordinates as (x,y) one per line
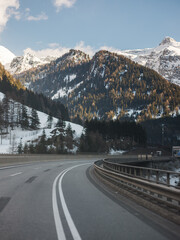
(57,219)
(15,174)
(67,214)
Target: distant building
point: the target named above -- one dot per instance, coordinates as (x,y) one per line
(176,151)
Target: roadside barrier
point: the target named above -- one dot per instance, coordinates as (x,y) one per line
(134,178)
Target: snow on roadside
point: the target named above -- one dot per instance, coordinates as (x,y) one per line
(116,152)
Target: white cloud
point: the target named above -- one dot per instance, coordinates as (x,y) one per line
(54,50)
(111,49)
(27,10)
(63,3)
(41,16)
(8,8)
(43,53)
(53,45)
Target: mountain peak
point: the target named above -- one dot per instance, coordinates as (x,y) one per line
(74,55)
(167,40)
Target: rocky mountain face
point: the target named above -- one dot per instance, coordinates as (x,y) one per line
(108,86)
(165,59)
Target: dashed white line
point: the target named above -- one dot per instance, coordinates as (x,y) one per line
(15,174)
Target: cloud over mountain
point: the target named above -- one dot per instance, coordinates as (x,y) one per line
(8,8)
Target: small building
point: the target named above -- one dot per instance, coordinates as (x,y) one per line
(176,151)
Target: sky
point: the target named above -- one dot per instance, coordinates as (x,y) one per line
(87,24)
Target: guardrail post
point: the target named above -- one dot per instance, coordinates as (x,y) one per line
(168,179)
(135,172)
(157,176)
(141,172)
(148,171)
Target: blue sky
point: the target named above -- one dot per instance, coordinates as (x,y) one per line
(121,24)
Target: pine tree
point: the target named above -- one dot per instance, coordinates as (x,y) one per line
(25,150)
(69,137)
(6,107)
(20,148)
(31,148)
(69,131)
(61,125)
(60,144)
(34,119)
(49,121)
(12,111)
(18,114)
(1,116)
(24,118)
(42,146)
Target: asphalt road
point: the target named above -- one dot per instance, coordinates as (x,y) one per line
(60,200)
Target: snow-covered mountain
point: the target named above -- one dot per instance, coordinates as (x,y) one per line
(27,61)
(6,56)
(165,59)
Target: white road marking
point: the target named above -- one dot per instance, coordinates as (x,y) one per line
(57,219)
(15,166)
(15,174)
(58,223)
(9,167)
(67,214)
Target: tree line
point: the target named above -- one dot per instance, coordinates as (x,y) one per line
(101,136)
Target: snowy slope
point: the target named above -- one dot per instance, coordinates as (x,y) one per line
(6,56)
(14,137)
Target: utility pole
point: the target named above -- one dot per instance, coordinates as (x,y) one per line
(1,135)
(10,136)
(162,134)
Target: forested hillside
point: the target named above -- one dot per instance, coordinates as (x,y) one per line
(109,86)
(15,90)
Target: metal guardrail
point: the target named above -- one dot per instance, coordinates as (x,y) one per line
(163,193)
(150,174)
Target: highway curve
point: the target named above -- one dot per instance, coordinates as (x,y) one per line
(59,200)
